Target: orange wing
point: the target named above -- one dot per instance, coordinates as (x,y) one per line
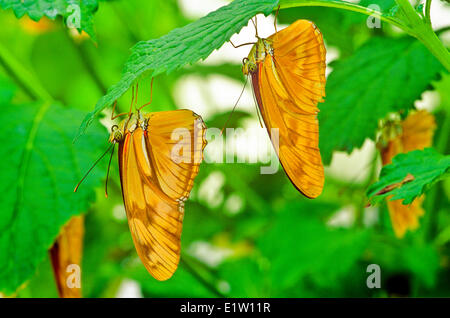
(288,87)
(156,180)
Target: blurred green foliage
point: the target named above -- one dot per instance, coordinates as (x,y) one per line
(255,235)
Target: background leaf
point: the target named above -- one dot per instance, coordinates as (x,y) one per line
(39,170)
(427,166)
(365,87)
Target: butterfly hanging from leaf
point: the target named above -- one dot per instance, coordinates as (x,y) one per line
(287,71)
(159,155)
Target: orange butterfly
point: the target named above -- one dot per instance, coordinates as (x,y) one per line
(288,76)
(159,157)
(414,132)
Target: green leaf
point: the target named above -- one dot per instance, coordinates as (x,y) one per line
(39,169)
(77,13)
(385,75)
(181,46)
(426,166)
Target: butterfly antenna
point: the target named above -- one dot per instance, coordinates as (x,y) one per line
(107,172)
(234,107)
(275,22)
(95,163)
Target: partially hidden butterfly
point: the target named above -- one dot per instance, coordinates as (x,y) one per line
(159,155)
(287,71)
(65,256)
(414,132)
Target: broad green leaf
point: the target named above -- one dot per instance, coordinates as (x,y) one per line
(384,75)
(426,166)
(77,13)
(39,169)
(181,46)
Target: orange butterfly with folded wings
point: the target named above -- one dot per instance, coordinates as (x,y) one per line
(159,158)
(287,71)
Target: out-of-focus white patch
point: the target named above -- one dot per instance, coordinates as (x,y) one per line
(353,168)
(129,289)
(208,253)
(429,101)
(234,204)
(344,217)
(370,216)
(211,95)
(195,9)
(210,190)
(440,13)
(106,119)
(332,54)
(253,145)
(118,212)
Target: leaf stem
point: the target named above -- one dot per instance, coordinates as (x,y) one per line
(22,76)
(345,6)
(427,11)
(422,30)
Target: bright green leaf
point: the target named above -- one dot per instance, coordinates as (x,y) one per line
(39,169)
(385,75)
(181,46)
(426,166)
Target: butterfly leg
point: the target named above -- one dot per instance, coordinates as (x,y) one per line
(118,115)
(131,106)
(151,97)
(239,45)
(275,22)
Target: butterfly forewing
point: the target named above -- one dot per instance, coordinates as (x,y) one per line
(156,180)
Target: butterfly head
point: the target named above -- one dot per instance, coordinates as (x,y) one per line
(128,125)
(117,134)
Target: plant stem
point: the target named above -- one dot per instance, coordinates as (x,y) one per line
(427,12)
(188,265)
(424,33)
(87,63)
(345,6)
(22,76)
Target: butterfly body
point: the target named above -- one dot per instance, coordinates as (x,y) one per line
(159,157)
(288,77)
